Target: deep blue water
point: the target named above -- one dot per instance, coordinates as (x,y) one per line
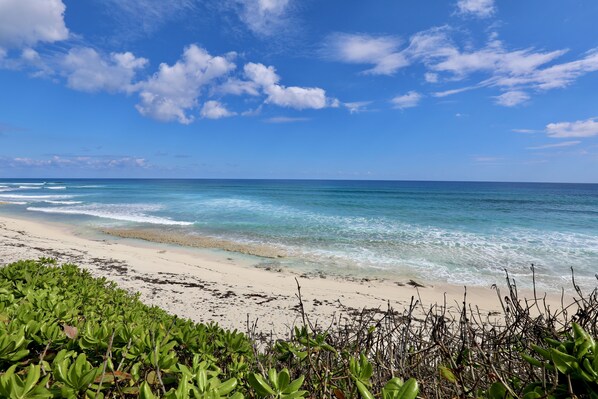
(461,232)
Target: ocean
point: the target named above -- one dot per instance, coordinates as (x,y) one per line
(464,233)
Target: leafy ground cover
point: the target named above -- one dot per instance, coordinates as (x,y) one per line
(65,334)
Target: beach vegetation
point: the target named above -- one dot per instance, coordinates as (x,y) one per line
(66,334)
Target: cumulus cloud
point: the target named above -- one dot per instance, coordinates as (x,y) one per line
(215,110)
(556,145)
(264,17)
(512,98)
(173,91)
(27,22)
(581,128)
(87,70)
(380,51)
(266,79)
(409,100)
(477,8)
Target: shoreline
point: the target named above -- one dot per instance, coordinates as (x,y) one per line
(229,288)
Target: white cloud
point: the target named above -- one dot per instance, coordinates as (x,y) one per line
(292,97)
(553,77)
(409,100)
(556,145)
(478,8)
(382,52)
(85,162)
(30,55)
(27,22)
(297,97)
(512,98)
(264,17)
(173,91)
(526,131)
(583,128)
(437,51)
(215,110)
(357,106)
(431,77)
(238,87)
(519,70)
(87,70)
(453,91)
(145,16)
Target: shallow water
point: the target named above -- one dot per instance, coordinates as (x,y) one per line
(462,233)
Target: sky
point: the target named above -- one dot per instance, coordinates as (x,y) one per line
(483,90)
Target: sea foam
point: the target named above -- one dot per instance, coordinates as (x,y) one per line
(127,213)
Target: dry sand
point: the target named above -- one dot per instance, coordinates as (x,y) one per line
(224,287)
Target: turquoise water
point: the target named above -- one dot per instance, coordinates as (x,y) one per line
(462,233)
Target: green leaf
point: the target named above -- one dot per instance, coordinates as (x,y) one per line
(294,385)
(259,385)
(283,380)
(409,390)
(363,391)
(447,374)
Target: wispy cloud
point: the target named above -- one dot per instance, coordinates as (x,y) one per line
(408,100)
(517,73)
(265,17)
(477,8)
(82,162)
(285,119)
(380,51)
(144,17)
(487,159)
(581,128)
(356,107)
(526,131)
(555,145)
(512,98)
(447,93)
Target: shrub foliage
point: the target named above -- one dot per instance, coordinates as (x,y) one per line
(65,334)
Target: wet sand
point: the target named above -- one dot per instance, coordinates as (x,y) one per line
(186,240)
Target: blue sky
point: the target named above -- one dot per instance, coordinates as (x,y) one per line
(436,90)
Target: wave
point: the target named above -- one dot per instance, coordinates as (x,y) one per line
(63,202)
(14,202)
(127,213)
(22,184)
(88,186)
(35,197)
(29,187)
(56,188)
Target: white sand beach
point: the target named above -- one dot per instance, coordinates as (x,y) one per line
(224,287)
